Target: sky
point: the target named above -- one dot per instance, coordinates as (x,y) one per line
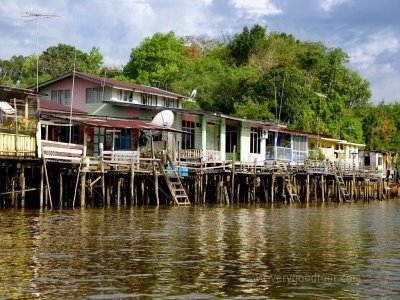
(367,30)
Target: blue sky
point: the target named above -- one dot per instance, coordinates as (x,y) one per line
(368,30)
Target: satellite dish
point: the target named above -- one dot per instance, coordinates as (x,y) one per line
(164,118)
(193,94)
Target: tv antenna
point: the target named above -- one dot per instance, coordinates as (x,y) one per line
(33,16)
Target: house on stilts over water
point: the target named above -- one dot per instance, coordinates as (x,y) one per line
(89,140)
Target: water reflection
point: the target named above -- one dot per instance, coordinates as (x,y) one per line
(341,251)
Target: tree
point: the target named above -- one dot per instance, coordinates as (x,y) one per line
(156,61)
(60,59)
(242,45)
(10,70)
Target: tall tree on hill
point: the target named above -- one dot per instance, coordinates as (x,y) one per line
(10,70)
(57,60)
(157,61)
(243,44)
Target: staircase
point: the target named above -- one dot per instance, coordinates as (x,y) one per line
(175,185)
(291,190)
(343,192)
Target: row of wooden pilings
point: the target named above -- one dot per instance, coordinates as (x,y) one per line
(270,188)
(33,184)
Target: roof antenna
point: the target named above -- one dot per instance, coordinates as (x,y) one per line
(32,16)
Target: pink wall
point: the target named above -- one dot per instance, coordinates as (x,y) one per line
(80,86)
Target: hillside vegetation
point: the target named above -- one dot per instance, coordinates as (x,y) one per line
(256,74)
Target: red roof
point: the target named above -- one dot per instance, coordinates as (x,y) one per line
(50,106)
(116,83)
(122,123)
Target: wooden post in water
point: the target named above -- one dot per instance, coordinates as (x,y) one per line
(308,188)
(60,179)
(132,183)
(41,192)
(13,191)
(142,188)
(22,185)
(233,175)
(273,188)
(83,189)
(205,189)
(322,188)
(47,182)
(103,182)
(119,182)
(254,181)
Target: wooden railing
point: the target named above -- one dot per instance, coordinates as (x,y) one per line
(121,157)
(19,144)
(61,151)
(211,155)
(191,154)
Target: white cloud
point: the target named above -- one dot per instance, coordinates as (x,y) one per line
(364,53)
(256,8)
(327,5)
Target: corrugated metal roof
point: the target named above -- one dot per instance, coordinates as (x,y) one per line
(123,123)
(50,106)
(6,108)
(117,84)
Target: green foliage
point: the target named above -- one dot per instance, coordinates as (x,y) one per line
(254,74)
(157,61)
(60,59)
(316,155)
(243,44)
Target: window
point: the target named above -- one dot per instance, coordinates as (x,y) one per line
(94,95)
(231,139)
(299,148)
(123,140)
(150,99)
(169,102)
(125,95)
(284,140)
(65,133)
(255,134)
(271,138)
(367,161)
(188,138)
(144,98)
(61,96)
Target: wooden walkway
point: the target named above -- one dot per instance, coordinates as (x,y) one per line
(67,177)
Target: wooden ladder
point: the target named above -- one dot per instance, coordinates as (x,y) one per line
(342,186)
(175,186)
(291,190)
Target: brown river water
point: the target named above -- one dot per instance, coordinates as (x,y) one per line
(341,251)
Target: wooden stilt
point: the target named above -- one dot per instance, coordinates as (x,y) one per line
(205,189)
(60,179)
(119,191)
(322,188)
(83,189)
(233,175)
(13,194)
(41,192)
(47,181)
(132,183)
(22,185)
(273,189)
(103,183)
